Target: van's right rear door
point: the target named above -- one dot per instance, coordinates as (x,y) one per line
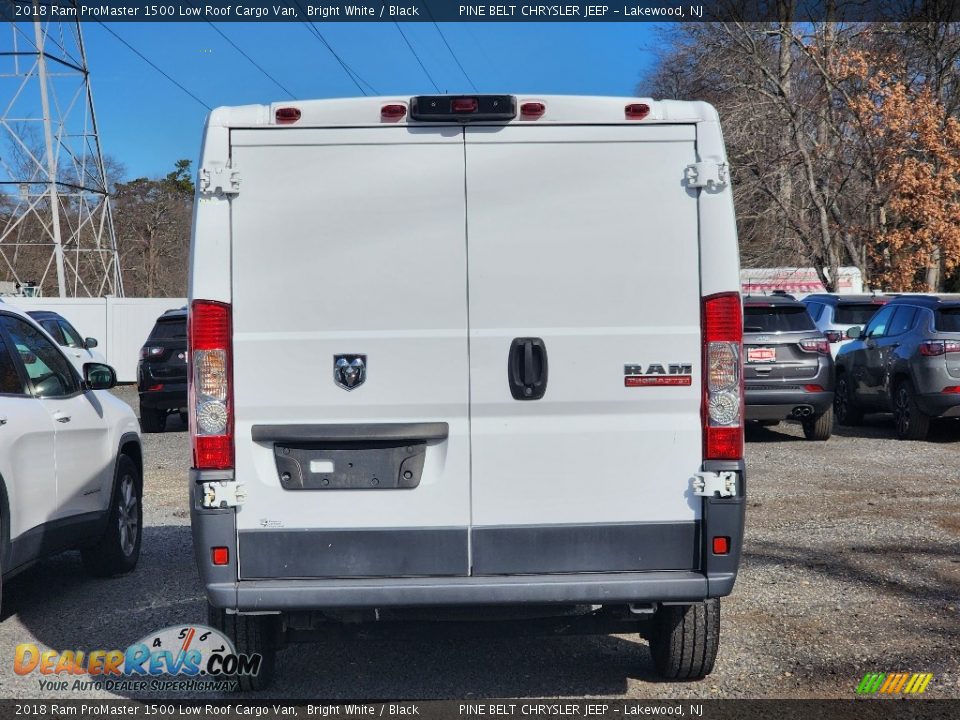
(583,246)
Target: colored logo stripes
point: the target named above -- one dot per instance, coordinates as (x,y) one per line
(894,683)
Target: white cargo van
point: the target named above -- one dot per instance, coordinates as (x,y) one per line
(467,351)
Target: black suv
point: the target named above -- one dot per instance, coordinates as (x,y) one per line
(162,371)
(906,361)
(787,368)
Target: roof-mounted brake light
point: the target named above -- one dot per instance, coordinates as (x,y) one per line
(462,108)
(393,112)
(532,110)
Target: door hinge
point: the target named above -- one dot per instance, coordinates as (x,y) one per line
(709,175)
(713,484)
(215,179)
(222,494)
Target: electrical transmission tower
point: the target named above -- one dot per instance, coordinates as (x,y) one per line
(56,224)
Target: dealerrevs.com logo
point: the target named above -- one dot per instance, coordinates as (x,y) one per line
(183,657)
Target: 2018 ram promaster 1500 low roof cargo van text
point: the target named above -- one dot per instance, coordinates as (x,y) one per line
(467,351)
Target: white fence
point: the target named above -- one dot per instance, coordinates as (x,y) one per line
(120,325)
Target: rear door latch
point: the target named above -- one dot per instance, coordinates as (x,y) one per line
(715,484)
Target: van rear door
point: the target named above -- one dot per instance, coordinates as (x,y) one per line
(583,249)
(348,245)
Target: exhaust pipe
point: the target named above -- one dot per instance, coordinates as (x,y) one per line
(802,411)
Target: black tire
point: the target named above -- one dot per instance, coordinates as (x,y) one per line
(819,427)
(910,421)
(152,420)
(250,634)
(844,404)
(118,551)
(685,639)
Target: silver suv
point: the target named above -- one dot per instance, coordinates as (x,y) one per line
(906,361)
(835,314)
(788,370)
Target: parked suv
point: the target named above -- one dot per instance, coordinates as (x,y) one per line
(906,361)
(835,314)
(70,457)
(162,371)
(79,349)
(788,370)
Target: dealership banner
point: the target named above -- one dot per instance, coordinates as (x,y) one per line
(466,11)
(527,708)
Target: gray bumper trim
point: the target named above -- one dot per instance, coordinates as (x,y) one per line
(286,595)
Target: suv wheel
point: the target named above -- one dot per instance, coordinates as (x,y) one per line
(685,639)
(819,427)
(152,420)
(844,406)
(118,550)
(250,634)
(911,422)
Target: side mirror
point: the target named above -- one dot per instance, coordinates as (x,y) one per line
(90,343)
(854,332)
(98,376)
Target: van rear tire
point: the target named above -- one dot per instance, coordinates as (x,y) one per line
(250,634)
(684,639)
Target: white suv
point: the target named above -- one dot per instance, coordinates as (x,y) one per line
(70,457)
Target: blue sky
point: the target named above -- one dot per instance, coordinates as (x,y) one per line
(147,123)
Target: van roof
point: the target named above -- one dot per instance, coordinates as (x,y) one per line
(366,111)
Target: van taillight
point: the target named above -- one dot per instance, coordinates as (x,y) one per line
(636,111)
(287,115)
(722,377)
(210,379)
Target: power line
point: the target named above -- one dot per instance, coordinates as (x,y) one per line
(151,64)
(422,66)
(252,61)
(351,73)
(452,53)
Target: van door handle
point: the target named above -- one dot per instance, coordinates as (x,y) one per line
(3,421)
(527,368)
(60,418)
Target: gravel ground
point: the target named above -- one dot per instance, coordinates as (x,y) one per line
(852,564)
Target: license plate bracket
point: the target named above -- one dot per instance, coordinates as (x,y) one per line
(350,466)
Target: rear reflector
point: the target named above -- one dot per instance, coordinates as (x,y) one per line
(210,379)
(637,111)
(393,113)
(221,555)
(813,388)
(287,115)
(721,545)
(952,389)
(532,110)
(154,388)
(472,108)
(722,377)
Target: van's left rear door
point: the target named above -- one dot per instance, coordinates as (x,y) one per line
(350,244)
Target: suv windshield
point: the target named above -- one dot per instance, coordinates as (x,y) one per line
(169,330)
(948,320)
(787,318)
(851,314)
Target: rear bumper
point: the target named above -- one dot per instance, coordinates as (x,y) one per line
(940,404)
(712,576)
(779,404)
(172,397)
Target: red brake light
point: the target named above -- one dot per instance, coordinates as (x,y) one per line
(817,345)
(637,111)
(722,377)
(932,348)
(393,112)
(287,115)
(532,110)
(210,380)
(464,105)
